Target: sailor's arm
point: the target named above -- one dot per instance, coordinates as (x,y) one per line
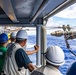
(23,60)
(31,67)
(33,51)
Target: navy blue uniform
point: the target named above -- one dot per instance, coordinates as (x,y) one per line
(22,58)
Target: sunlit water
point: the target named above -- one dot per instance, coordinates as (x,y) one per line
(59,41)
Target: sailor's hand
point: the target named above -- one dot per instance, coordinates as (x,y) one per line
(36,48)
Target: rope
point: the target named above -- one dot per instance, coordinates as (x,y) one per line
(68,46)
(72,52)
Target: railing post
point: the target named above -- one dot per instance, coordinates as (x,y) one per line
(38,42)
(43,44)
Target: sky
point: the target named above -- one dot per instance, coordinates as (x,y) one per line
(67,16)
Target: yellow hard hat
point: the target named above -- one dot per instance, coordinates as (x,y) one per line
(9,38)
(9,35)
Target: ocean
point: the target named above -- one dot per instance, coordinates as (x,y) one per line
(59,41)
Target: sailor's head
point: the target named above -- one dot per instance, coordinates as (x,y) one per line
(55,56)
(3,39)
(21,36)
(13,36)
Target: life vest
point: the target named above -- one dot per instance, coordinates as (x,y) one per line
(9,44)
(10,65)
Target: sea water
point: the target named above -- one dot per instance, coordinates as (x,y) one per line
(59,41)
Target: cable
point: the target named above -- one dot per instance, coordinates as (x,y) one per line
(68,46)
(72,52)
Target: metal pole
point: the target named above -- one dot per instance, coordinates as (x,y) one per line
(43,44)
(38,42)
(41,8)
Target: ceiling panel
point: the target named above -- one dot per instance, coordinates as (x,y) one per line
(52,4)
(23,8)
(29,9)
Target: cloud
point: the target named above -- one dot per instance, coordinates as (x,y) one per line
(67,16)
(69,12)
(54,23)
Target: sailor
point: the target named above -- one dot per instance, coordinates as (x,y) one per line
(12,39)
(3,49)
(17,60)
(54,58)
(72,69)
